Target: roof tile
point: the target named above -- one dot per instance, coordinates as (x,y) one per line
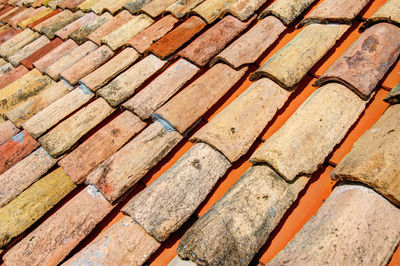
(23,174)
(87,64)
(12,76)
(40,53)
(65,31)
(355,225)
(53,3)
(111,69)
(125,168)
(244,9)
(31,19)
(61,138)
(211,10)
(124,243)
(161,89)
(253,207)
(147,37)
(7,130)
(56,111)
(373,158)
(182,7)
(291,63)
(17,42)
(68,60)
(70,4)
(394,95)
(5,68)
(374,52)
(238,125)
(15,20)
(80,35)
(99,7)
(173,40)
(14,13)
(156,7)
(251,45)
(27,50)
(389,12)
(287,10)
(211,42)
(32,204)
(86,5)
(37,22)
(115,6)
(100,146)
(8,34)
(135,5)
(124,33)
(124,86)
(72,222)
(155,208)
(36,103)
(189,105)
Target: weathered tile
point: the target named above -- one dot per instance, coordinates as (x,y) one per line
(37,22)
(12,45)
(27,50)
(173,40)
(135,5)
(189,105)
(36,103)
(124,86)
(23,174)
(65,31)
(287,10)
(23,88)
(394,95)
(290,64)
(22,16)
(5,68)
(244,9)
(2,62)
(87,64)
(210,43)
(302,144)
(99,7)
(235,228)
(86,5)
(111,69)
(68,60)
(12,76)
(7,130)
(125,168)
(104,143)
(53,3)
(110,26)
(50,26)
(15,149)
(251,45)
(67,133)
(80,35)
(374,52)
(389,12)
(153,33)
(172,198)
(40,53)
(8,34)
(177,261)
(70,4)
(124,33)
(182,7)
(156,7)
(116,5)
(354,226)
(16,12)
(124,243)
(237,126)
(333,11)
(32,204)
(161,89)
(51,242)
(211,10)
(373,159)
(58,110)
(58,52)
(9,10)
(31,19)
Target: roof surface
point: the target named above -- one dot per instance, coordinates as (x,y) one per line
(216,132)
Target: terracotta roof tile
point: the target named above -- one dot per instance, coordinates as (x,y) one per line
(8,34)
(156,7)
(49,15)
(15,20)
(33,18)
(173,40)
(115,6)
(244,9)
(37,55)
(5,68)
(86,5)
(211,10)
(28,50)
(80,35)
(287,10)
(15,13)
(134,6)
(12,75)
(7,130)
(389,12)
(65,31)
(211,42)
(182,7)
(394,95)
(70,4)
(99,6)
(17,42)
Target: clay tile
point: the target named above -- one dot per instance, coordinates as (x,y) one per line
(124,33)
(182,7)
(147,37)
(37,22)
(389,12)
(27,50)
(30,60)
(12,76)
(70,4)
(80,35)
(211,10)
(135,5)
(8,34)
(53,3)
(183,110)
(110,26)
(211,42)
(287,10)
(173,40)
(5,68)
(251,45)
(22,16)
(100,6)
(394,95)
(373,159)
(373,52)
(7,130)
(156,7)
(64,32)
(352,219)
(71,223)
(14,13)
(17,42)
(86,5)
(115,5)
(244,9)
(24,23)
(291,63)
(87,64)
(333,11)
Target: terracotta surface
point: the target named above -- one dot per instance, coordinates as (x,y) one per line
(27,50)
(286,10)
(70,4)
(394,95)
(156,7)
(30,60)
(12,75)
(7,130)
(65,31)
(17,42)
(389,12)
(37,22)
(32,19)
(51,25)
(182,7)
(80,35)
